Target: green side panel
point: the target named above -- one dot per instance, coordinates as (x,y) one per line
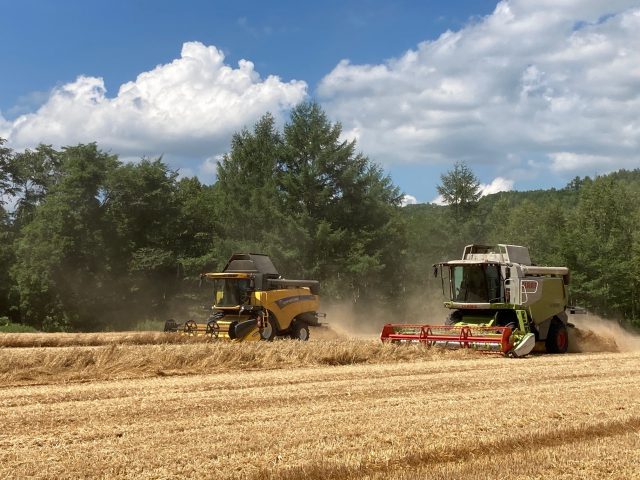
(551,302)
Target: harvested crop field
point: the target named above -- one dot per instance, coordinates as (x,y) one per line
(322,409)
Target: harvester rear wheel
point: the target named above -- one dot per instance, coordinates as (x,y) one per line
(300,331)
(557,338)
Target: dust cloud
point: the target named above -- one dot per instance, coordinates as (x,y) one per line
(349,320)
(597,334)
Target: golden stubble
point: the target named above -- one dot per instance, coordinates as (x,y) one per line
(149,405)
(28,366)
(553,416)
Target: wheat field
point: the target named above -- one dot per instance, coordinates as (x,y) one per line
(329,408)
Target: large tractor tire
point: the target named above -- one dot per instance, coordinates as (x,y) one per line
(270,330)
(300,331)
(557,338)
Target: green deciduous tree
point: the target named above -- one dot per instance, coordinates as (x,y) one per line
(142,215)
(60,265)
(6,260)
(34,173)
(6,232)
(198,228)
(140,202)
(6,159)
(601,248)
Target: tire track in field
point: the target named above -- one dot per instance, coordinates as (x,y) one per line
(320,470)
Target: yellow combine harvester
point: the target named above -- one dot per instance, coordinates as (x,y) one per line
(252,302)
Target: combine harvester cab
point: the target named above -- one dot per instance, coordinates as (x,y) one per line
(500,302)
(252,302)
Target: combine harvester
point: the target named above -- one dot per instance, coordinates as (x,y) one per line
(252,302)
(500,303)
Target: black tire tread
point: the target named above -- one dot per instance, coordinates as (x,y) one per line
(296,328)
(551,343)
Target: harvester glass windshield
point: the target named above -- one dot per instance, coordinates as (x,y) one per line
(230,292)
(476,283)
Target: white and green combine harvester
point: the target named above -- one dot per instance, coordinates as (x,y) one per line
(499,301)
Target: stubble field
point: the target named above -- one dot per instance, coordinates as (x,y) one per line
(329,408)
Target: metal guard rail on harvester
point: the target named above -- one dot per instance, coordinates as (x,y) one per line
(482,338)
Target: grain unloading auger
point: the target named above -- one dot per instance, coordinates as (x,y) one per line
(251,302)
(499,301)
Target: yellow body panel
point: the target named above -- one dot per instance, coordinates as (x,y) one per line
(287,304)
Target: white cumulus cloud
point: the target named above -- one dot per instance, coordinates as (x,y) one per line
(189,107)
(530,80)
(439,200)
(498,184)
(408,200)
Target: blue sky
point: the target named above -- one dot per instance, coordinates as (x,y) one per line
(46,43)
(513,88)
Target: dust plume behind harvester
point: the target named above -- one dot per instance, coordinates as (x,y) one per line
(499,301)
(252,302)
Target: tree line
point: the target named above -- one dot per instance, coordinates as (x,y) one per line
(92,243)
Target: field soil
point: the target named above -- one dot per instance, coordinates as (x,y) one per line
(329,408)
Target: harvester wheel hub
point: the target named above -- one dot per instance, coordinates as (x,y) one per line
(303,334)
(562,340)
(267,330)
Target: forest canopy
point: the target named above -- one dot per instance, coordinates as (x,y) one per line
(90,243)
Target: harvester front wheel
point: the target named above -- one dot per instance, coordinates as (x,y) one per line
(453,318)
(300,331)
(269,330)
(557,338)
